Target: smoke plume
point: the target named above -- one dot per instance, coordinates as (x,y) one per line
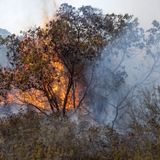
(22,14)
(128,65)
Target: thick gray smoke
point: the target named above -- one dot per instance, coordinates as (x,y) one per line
(129,64)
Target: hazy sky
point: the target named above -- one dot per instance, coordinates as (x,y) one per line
(16,15)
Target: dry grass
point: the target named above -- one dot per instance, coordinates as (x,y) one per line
(32,136)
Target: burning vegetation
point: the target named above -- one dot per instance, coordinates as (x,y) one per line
(77,61)
(47,66)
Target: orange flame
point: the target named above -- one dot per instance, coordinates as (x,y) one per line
(37,98)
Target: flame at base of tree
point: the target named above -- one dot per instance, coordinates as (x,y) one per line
(40,78)
(37,98)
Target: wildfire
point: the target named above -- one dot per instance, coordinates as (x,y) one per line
(36,98)
(34,51)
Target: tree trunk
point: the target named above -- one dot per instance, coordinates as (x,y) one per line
(70,83)
(74,95)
